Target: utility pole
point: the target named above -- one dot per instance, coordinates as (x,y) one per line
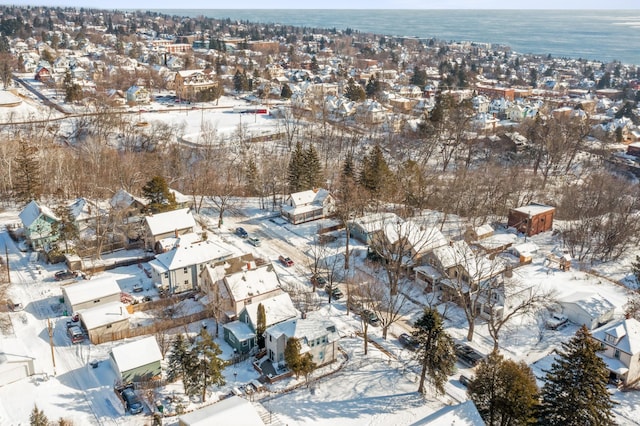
(53,358)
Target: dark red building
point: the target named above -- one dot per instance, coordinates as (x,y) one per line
(532,219)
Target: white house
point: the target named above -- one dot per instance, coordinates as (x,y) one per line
(179,269)
(590,309)
(620,344)
(88,294)
(172,223)
(317,337)
(137,361)
(308,205)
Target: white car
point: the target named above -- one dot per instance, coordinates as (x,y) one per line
(556,321)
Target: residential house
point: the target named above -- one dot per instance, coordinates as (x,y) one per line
(365,228)
(308,205)
(230,411)
(531,219)
(408,239)
(87,294)
(137,361)
(39,225)
(620,347)
(123,201)
(590,309)
(105,319)
(241,334)
(85,212)
(167,224)
(137,95)
(317,337)
(231,288)
(179,269)
(43,73)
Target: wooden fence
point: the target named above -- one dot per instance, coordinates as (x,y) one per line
(144,330)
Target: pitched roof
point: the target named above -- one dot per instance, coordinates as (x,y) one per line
(122,199)
(190,254)
(136,354)
(162,223)
(90,290)
(233,410)
(252,282)
(627,330)
(311,196)
(277,309)
(592,303)
(32,212)
(99,316)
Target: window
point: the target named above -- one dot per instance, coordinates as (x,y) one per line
(270,338)
(184,270)
(610,338)
(166,275)
(244,344)
(96,301)
(186,282)
(617,354)
(109,326)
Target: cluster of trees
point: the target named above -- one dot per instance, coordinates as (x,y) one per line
(198,364)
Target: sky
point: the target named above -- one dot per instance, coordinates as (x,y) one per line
(341,4)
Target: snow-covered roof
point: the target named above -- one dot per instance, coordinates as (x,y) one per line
(592,303)
(123,199)
(375,222)
(421,239)
(463,414)
(252,282)
(83,209)
(136,354)
(162,223)
(277,309)
(305,330)
(534,209)
(190,254)
(32,212)
(312,196)
(629,336)
(90,290)
(233,410)
(240,330)
(99,316)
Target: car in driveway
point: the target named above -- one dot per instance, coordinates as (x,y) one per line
(408,341)
(556,321)
(370,317)
(240,232)
(254,241)
(286,261)
(75,333)
(467,355)
(336,293)
(65,275)
(131,400)
(465,381)
(318,280)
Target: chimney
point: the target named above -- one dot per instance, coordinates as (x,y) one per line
(176,233)
(248,266)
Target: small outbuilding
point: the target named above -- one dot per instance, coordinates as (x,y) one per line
(111,318)
(590,309)
(231,411)
(89,294)
(137,361)
(15,363)
(532,219)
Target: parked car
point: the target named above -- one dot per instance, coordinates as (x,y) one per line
(75,333)
(286,261)
(65,275)
(408,341)
(14,306)
(133,403)
(336,293)
(556,321)
(318,280)
(468,355)
(254,241)
(465,381)
(370,317)
(240,232)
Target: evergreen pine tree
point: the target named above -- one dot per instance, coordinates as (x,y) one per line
(65,227)
(312,169)
(38,418)
(504,391)
(375,171)
(372,88)
(354,91)
(237,81)
(297,363)
(296,169)
(251,176)
(286,93)
(435,352)
(207,366)
(178,361)
(575,390)
(635,268)
(348,168)
(27,184)
(160,198)
(261,326)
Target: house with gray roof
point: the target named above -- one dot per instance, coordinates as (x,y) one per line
(39,222)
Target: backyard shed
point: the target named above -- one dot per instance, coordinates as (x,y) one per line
(137,361)
(532,219)
(15,363)
(88,294)
(231,411)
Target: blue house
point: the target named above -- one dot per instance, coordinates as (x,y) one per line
(38,223)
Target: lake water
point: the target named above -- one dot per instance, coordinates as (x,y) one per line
(604,35)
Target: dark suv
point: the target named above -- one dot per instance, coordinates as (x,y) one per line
(132,401)
(240,232)
(468,355)
(65,275)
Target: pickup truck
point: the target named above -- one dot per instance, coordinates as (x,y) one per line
(286,261)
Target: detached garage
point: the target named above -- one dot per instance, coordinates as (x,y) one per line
(137,361)
(111,319)
(88,294)
(14,363)
(231,411)
(590,309)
